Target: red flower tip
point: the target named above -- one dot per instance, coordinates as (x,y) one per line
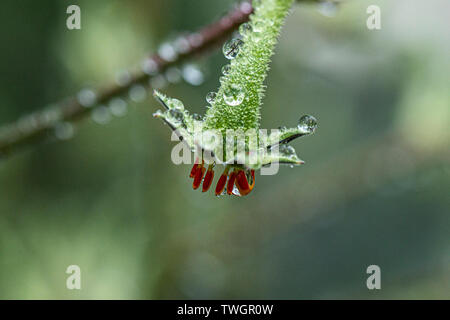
(245,181)
(198,176)
(222,182)
(208,178)
(194,168)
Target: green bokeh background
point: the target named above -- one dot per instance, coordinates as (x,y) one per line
(374,189)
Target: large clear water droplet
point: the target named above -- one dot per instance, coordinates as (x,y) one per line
(177,104)
(233,95)
(177,115)
(231,48)
(245,29)
(286,150)
(307,124)
(210,97)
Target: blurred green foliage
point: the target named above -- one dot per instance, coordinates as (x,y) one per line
(374,189)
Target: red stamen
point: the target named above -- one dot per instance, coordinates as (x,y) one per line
(193,170)
(243,184)
(208,178)
(198,176)
(231,181)
(195,167)
(222,182)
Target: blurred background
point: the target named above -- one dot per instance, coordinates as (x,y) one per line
(374,189)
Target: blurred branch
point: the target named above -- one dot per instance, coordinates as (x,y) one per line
(34,127)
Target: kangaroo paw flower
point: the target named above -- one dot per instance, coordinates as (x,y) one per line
(236,107)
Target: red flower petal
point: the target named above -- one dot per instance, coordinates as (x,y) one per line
(208,179)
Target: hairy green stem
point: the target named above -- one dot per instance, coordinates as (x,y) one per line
(249,69)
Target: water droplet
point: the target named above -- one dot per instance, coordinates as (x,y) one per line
(149,66)
(167,52)
(210,97)
(307,124)
(173,75)
(64,131)
(245,29)
(101,115)
(234,95)
(328,8)
(197,117)
(286,150)
(226,69)
(177,104)
(87,98)
(231,48)
(236,191)
(118,107)
(138,93)
(193,75)
(177,115)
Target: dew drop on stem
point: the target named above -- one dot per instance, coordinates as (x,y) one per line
(307,124)
(231,48)
(233,95)
(211,97)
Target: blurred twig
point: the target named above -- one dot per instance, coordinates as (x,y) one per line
(36,126)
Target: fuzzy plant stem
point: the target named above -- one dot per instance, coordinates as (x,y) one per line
(249,69)
(35,127)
